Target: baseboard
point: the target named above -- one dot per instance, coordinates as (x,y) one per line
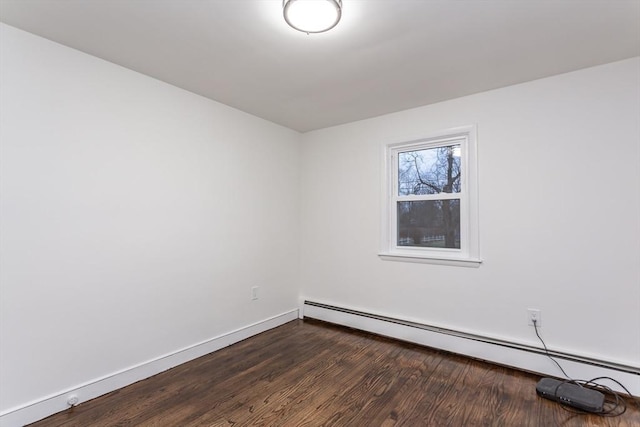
(52,404)
(517,355)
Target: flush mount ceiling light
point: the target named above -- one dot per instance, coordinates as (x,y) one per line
(312,16)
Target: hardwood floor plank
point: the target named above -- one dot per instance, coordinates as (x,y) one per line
(309,373)
(339,361)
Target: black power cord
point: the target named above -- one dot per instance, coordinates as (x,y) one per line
(614,404)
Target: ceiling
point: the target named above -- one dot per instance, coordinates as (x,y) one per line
(384,56)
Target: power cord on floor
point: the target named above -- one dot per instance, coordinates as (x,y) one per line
(614,404)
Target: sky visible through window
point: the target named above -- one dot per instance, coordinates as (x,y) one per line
(429,171)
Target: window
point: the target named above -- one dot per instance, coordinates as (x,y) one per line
(431,200)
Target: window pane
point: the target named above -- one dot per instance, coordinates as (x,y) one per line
(432,223)
(429,171)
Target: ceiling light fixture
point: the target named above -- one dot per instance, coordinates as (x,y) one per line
(312,16)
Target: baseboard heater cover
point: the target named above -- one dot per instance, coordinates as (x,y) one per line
(479,338)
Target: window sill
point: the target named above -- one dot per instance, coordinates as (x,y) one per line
(456,262)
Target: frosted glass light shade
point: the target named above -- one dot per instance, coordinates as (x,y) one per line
(312,16)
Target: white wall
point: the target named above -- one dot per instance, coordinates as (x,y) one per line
(135,218)
(559,163)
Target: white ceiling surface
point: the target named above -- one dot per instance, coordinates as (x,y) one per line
(384,56)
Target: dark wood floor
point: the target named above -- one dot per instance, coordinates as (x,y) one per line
(309,373)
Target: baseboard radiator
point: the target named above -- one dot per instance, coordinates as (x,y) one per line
(517,355)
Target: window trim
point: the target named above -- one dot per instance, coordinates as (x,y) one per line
(469,253)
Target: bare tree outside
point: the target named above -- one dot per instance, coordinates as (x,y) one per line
(434,222)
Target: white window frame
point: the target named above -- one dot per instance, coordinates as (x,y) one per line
(469,253)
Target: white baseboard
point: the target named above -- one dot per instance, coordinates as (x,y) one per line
(57,402)
(516,355)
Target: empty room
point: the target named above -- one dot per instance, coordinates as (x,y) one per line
(319,213)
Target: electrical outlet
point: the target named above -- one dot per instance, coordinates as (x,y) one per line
(535,314)
(254,292)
